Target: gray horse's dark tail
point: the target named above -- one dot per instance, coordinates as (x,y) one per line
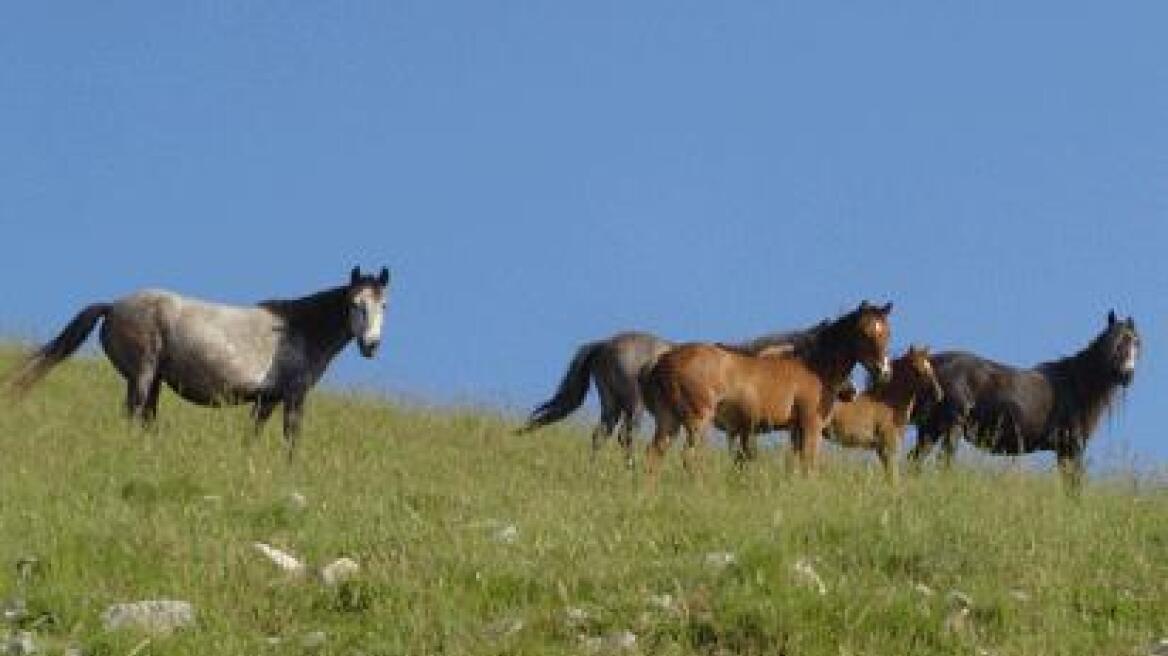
(571,392)
(38,364)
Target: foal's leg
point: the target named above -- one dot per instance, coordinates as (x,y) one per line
(887,447)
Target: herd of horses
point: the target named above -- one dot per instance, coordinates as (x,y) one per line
(799,381)
(274,352)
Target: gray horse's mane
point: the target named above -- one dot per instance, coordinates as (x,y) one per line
(799,341)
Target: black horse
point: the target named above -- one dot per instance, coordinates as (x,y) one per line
(1054,406)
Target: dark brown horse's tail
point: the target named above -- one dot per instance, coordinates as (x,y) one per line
(571,392)
(38,364)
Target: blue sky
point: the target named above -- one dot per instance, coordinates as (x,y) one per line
(540,174)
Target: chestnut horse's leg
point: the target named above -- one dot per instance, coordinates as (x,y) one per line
(810,429)
(695,436)
(667,427)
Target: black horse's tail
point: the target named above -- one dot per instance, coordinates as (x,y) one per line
(36,365)
(571,392)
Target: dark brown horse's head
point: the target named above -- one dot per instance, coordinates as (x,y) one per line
(872,334)
(366,296)
(1117,349)
(916,370)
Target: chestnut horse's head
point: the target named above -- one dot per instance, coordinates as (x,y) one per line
(871,337)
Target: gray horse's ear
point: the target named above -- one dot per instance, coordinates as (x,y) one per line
(355,275)
(1131,323)
(1111,318)
(383,279)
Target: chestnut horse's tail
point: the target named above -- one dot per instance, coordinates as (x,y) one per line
(36,365)
(571,392)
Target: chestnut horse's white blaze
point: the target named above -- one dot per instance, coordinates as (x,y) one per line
(215,354)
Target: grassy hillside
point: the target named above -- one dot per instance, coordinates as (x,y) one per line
(474,541)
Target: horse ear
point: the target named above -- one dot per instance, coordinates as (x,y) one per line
(355,275)
(887,308)
(1131,323)
(864,305)
(383,279)
(1111,318)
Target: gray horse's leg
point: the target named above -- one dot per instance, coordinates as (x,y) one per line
(293,412)
(260,412)
(150,411)
(630,423)
(609,416)
(142,390)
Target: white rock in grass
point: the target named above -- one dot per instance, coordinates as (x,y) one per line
(14,610)
(282,559)
(622,641)
(806,575)
(575,615)
(314,640)
(154,616)
(19,644)
(614,642)
(507,535)
(665,602)
(339,571)
(297,500)
(720,559)
(508,626)
(923,590)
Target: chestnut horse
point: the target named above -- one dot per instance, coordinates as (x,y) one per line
(615,366)
(877,418)
(694,385)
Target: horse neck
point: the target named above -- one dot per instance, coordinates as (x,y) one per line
(1081,394)
(899,395)
(322,318)
(822,351)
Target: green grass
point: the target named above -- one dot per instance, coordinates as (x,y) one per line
(420,498)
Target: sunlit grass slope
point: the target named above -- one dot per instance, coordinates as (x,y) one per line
(474,541)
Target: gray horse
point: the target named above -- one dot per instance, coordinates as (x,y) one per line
(213,354)
(615,364)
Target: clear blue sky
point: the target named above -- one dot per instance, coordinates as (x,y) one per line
(539,174)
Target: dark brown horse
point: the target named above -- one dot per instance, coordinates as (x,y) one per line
(214,354)
(615,366)
(878,417)
(1054,406)
(695,385)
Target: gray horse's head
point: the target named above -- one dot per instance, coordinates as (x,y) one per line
(367,297)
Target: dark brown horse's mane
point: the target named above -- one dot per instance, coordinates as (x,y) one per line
(1084,387)
(796,339)
(823,342)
